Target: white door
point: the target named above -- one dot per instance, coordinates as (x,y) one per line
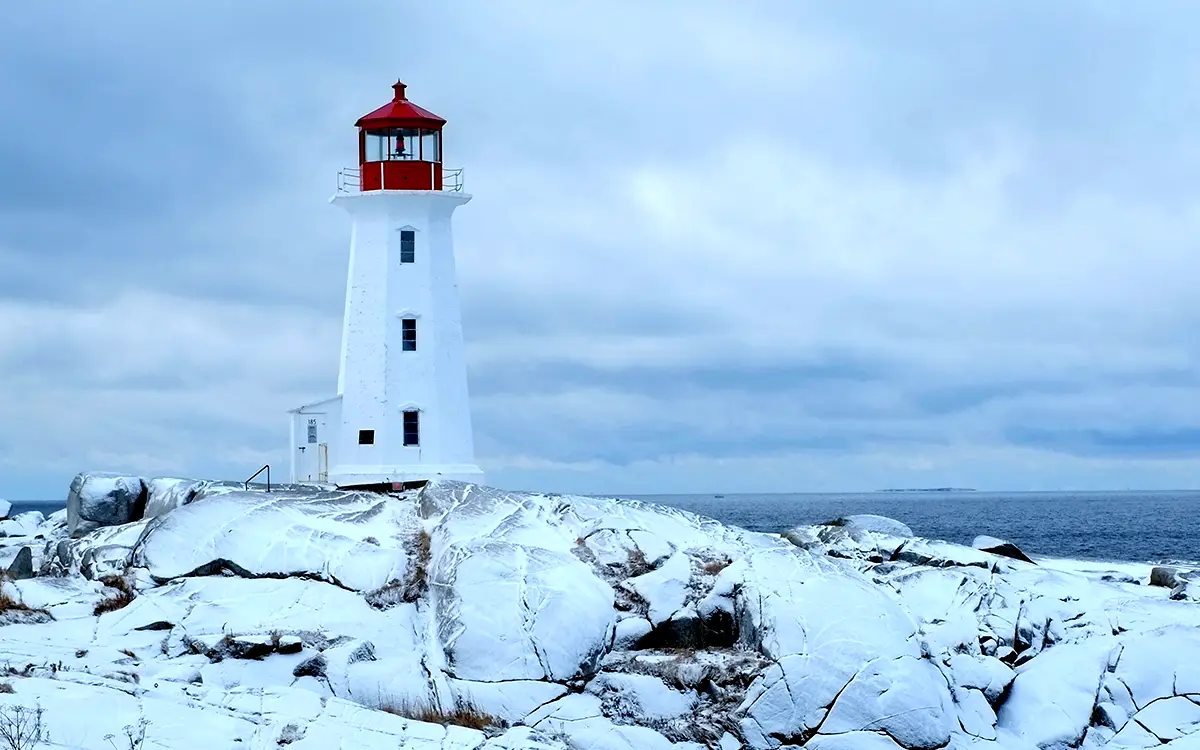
(313,457)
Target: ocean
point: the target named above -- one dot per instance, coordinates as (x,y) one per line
(1115,526)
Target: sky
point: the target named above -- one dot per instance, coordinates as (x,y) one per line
(780,246)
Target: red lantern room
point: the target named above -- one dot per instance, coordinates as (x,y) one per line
(400,146)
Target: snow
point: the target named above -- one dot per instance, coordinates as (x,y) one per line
(319,618)
(1052,697)
(5,508)
(878,525)
(665,588)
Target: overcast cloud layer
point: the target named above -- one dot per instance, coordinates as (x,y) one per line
(714,247)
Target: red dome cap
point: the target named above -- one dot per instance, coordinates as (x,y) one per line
(400,113)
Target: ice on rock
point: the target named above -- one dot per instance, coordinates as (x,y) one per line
(285,534)
(5,508)
(790,602)
(905,697)
(1051,700)
(511,612)
(823,623)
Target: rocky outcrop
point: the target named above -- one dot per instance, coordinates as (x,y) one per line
(98,499)
(460,616)
(21,568)
(1000,547)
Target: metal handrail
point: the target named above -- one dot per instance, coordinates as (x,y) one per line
(266,468)
(452,180)
(349,180)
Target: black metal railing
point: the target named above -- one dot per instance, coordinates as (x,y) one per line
(266,468)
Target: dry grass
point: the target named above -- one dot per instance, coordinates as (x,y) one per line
(125,594)
(713,567)
(6,687)
(637,563)
(8,604)
(462,715)
(413,586)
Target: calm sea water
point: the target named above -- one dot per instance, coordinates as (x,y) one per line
(1117,526)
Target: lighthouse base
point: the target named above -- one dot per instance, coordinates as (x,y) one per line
(356,476)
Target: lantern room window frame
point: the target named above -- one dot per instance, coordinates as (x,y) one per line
(400,144)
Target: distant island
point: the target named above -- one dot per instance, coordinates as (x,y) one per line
(931,489)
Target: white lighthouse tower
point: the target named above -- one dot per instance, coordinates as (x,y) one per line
(401,414)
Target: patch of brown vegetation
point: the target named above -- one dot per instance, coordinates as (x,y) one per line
(637,563)
(6,687)
(21,611)
(413,586)
(713,567)
(462,715)
(123,596)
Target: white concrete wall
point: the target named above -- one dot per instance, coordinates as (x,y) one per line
(306,464)
(377,379)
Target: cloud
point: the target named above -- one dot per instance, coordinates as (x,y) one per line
(792,246)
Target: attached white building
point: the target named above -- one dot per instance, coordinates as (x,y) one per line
(402,413)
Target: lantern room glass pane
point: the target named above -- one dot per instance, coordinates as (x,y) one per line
(377,145)
(405,144)
(431,145)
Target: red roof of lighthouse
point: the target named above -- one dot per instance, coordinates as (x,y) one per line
(400,113)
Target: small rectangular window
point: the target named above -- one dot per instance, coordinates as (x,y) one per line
(408,334)
(408,246)
(412,428)
(366,437)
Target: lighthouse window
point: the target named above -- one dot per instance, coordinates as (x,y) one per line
(377,145)
(408,334)
(431,145)
(366,437)
(408,246)
(412,428)
(405,144)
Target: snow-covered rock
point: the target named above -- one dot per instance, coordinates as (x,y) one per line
(22,524)
(165,494)
(5,508)
(460,616)
(98,499)
(878,525)
(358,540)
(999,547)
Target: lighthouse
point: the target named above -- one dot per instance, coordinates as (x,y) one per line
(401,414)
